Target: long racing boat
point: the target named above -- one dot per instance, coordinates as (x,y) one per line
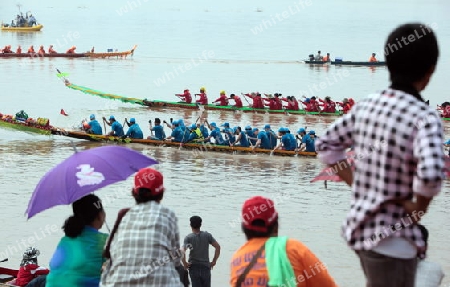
(183,105)
(196,147)
(122,54)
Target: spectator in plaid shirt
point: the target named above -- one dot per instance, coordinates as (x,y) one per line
(144,246)
(399,162)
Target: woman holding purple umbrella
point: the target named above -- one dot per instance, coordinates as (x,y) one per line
(78,260)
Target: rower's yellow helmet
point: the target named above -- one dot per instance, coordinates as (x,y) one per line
(202,89)
(222,92)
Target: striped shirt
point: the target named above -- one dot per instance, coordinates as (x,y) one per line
(397,139)
(145,249)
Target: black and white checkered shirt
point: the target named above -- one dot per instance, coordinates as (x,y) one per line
(397,139)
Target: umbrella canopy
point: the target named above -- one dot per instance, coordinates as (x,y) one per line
(329,174)
(83,173)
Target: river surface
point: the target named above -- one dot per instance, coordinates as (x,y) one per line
(236,46)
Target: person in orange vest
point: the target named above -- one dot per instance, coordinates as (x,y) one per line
(222,100)
(327,58)
(50,50)
(71,50)
(41,51)
(19,50)
(373,59)
(31,49)
(345,105)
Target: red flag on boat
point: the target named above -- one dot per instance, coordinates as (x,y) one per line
(63,113)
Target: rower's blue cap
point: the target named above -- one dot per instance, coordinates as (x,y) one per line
(447,142)
(249,128)
(235,129)
(92,117)
(255,129)
(112,118)
(193,126)
(282,129)
(267,126)
(307,100)
(132,120)
(301,130)
(213,125)
(312,132)
(181,122)
(176,123)
(227,125)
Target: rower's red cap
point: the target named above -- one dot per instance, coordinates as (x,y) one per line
(261,208)
(149,178)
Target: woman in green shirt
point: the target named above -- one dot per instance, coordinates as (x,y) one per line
(78,259)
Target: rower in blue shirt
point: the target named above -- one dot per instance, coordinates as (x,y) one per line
(177,133)
(308,140)
(273,138)
(158,130)
(95,127)
(263,141)
(288,141)
(116,127)
(134,131)
(229,134)
(241,138)
(250,135)
(447,145)
(215,134)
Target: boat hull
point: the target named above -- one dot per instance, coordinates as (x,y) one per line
(36,28)
(123,54)
(199,147)
(182,105)
(26,128)
(346,63)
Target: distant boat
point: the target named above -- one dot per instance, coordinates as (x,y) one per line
(345,63)
(36,28)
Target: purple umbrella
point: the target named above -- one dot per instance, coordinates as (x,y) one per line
(83,173)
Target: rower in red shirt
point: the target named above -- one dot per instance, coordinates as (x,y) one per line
(41,51)
(237,101)
(31,49)
(271,102)
(257,100)
(222,100)
(311,105)
(203,100)
(351,102)
(278,102)
(71,50)
(50,50)
(19,50)
(345,105)
(328,105)
(292,103)
(185,96)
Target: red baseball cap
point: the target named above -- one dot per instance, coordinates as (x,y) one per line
(261,208)
(149,178)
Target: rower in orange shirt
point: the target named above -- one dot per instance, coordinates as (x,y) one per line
(327,58)
(50,50)
(19,50)
(31,49)
(373,59)
(71,50)
(41,51)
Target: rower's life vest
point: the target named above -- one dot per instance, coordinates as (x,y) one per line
(199,134)
(43,122)
(22,115)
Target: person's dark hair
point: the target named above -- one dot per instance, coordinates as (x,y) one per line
(411,50)
(196,221)
(85,211)
(424,231)
(142,195)
(249,234)
(157,121)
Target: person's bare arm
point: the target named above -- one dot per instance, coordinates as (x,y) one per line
(216,245)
